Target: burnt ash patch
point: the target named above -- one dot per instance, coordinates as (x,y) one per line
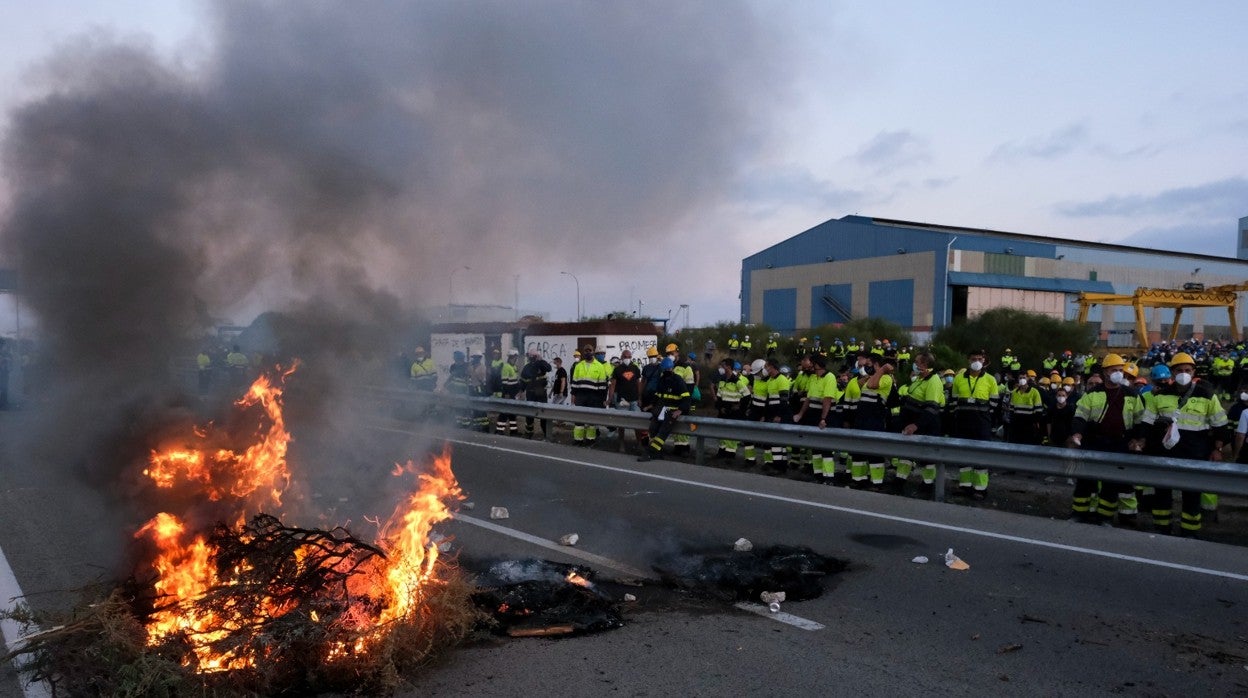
(540,598)
(742,575)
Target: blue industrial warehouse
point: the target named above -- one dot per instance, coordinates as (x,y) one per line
(924,276)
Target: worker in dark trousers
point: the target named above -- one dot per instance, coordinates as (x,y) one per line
(533,382)
(869,393)
(457,384)
(1108,417)
(509,389)
(731,391)
(921,410)
(975,399)
(819,409)
(1190,415)
(670,400)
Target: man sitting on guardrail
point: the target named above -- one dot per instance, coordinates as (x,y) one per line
(670,400)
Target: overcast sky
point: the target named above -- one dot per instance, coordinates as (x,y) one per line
(1107,121)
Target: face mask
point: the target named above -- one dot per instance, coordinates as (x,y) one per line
(722,371)
(1243,396)
(1061,399)
(1183,378)
(977,366)
(867,370)
(915,370)
(948,380)
(1022,382)
(1115,377)
(1068,388)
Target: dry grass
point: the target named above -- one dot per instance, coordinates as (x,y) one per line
(101,647)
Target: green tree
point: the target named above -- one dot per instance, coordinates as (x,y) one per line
(864,330)
(1031,336)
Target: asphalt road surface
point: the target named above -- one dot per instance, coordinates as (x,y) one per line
(1047,607)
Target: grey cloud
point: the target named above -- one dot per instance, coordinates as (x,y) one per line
(892,150)
(1049,146)
(1214,238)
(939,182)
(1223,199)
(769,189)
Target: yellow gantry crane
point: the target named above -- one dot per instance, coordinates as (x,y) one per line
(1191,296)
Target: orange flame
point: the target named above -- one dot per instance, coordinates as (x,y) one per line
(385,589)
(410,556)
(258,472)
(185,573)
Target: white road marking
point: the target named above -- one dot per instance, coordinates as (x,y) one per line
(873,514)
(555,546)
(797,621)
(11,630)
(600,561)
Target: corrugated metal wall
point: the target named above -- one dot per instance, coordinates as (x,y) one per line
(780,309)
(892,301)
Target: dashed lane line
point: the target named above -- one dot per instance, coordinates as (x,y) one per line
(781,616)
(552,545)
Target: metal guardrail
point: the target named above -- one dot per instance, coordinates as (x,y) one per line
(1173,473)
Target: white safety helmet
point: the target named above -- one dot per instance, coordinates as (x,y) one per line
(758,366)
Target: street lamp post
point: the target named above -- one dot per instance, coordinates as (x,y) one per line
(450,285)
(578,293)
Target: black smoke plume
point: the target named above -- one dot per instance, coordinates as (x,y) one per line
(333,159)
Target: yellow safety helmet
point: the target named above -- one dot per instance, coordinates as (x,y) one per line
(1131,370)
(652,351)
(671,348)
(1044,381)
(1068,381)
(1182,358)
(1031,373)
(1112,361)
(803,340)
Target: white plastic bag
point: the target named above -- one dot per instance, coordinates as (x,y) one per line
(1171,439)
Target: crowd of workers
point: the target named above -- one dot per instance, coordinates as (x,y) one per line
(1169,402)
(225,366)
